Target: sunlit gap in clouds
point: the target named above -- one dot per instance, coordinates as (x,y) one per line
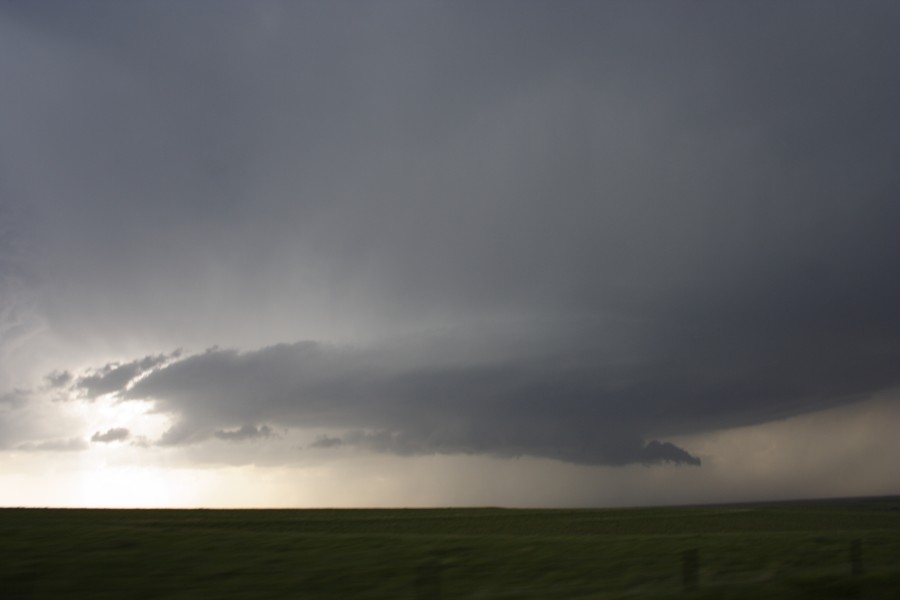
(139,423)
(117,468)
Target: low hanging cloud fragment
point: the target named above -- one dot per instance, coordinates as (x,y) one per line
(656,452)
(117,434)
(245,433)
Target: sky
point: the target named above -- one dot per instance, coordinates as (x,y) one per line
(448,253)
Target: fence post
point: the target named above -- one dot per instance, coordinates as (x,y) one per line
(690,569)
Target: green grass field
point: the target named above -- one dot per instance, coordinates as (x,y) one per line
(786,550)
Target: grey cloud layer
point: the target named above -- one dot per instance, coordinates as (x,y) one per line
(378,172)
(687,212)
(394,400)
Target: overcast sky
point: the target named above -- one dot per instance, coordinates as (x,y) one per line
(427,253)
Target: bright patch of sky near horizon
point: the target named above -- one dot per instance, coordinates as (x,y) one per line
(839,453)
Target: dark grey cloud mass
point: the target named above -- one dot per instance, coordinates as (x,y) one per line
(391,400)
(569,230)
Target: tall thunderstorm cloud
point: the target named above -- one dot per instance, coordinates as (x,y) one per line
(574,232)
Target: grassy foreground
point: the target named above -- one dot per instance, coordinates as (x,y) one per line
(826,549)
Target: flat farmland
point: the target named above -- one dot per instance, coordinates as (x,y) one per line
(815,549)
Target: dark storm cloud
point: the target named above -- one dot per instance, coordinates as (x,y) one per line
(395,400)
(575,397)
(116,434)
(687,212)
